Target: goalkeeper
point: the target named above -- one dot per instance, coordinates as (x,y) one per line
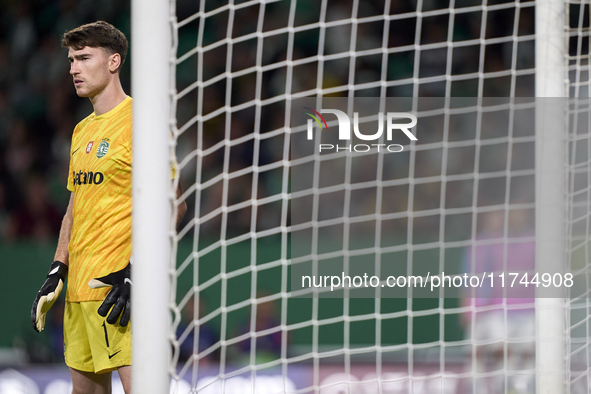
(94,246)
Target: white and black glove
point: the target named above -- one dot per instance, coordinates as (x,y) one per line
(119,298)
(48,294)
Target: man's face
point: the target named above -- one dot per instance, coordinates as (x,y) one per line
(90,69)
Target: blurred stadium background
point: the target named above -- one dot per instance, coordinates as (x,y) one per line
(39,109)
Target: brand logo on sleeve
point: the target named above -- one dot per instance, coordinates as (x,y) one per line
(103,148)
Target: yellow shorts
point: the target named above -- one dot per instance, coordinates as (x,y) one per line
(90,343)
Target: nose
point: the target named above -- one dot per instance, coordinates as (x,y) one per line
(73,68)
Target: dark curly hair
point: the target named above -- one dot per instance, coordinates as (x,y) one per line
(98,34)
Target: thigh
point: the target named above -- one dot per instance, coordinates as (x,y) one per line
(90,382)
(77,350)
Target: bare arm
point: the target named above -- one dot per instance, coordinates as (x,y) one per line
(61,253)
(182,209)
(58,272)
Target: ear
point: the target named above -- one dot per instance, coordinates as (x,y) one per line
(114,62)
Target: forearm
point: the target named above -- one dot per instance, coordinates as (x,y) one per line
(61,253)
(182,207)
(181,212)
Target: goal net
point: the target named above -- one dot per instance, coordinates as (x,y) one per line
(446,252)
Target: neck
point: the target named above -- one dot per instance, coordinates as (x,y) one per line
(109,98)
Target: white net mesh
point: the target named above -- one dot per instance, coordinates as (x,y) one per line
(578,170)
(462,192)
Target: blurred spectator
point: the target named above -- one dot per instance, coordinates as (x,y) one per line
(6,114)
(267,345)
(23,35)
(55,330)
(500,316)
(4,215)
(49,347)
(36,217)
(207,336)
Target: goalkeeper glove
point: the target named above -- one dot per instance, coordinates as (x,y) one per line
(48,294)
(119,297)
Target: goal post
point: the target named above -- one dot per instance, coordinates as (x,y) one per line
(551,162)
(150,70)
(250,90)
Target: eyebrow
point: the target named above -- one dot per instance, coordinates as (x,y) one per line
(78,56)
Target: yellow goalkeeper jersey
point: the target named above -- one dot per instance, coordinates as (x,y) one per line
(100,178)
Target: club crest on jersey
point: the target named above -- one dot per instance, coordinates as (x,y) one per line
(103,148)
(89,147)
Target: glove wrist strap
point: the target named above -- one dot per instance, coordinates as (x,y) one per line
(59,268)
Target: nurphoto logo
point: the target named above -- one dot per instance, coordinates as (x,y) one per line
(395,122)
